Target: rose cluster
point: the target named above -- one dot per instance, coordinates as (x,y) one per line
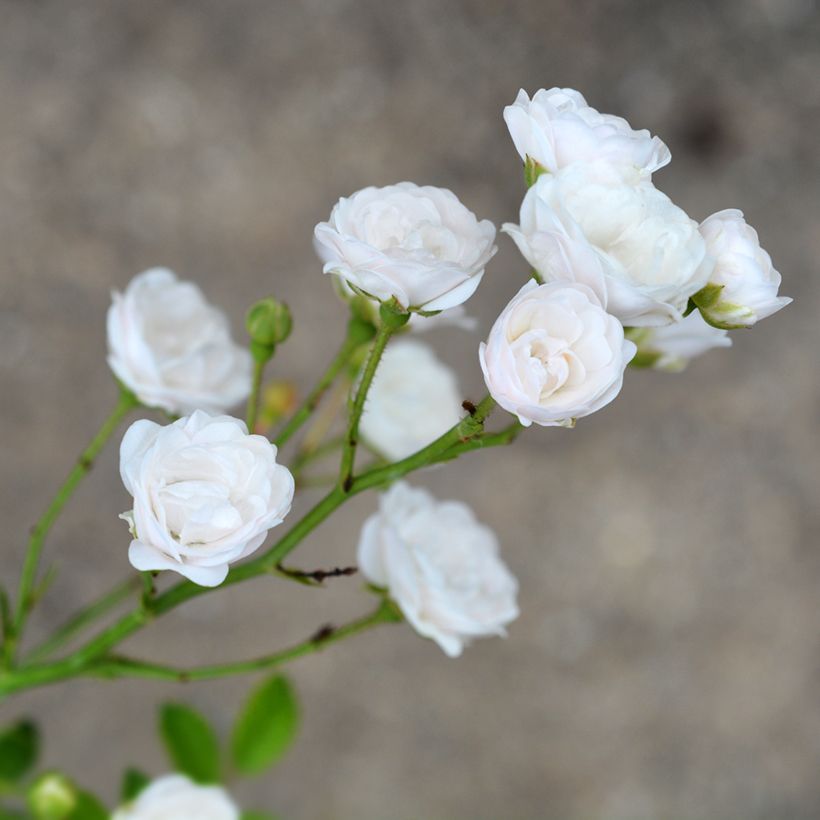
(620,275)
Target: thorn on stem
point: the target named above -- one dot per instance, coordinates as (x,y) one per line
(469,406)
(319,575)
(323,633)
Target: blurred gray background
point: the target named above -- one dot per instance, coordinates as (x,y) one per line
(667,660)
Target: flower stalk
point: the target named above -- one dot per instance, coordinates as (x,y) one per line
(25,601)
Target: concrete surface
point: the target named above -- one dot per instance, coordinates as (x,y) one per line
(666,661)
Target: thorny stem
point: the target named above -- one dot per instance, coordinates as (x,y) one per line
(465,436)
(85,616)
(127,401)
(253,399)
(352,438)
(119,667)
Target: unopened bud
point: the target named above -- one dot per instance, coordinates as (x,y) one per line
(52,797)
(268,323)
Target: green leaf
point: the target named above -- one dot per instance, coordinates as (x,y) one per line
(133,782)
(19,747)
(190,741)
(266,726)
(257,815)
(88,808)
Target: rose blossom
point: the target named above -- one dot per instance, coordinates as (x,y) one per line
(441,567)
(616,232)
(413,400)
(205,494)
(671,347)
(554,354)
(557,127)
(417,244)
(172,349)
(743,271)
(176,797)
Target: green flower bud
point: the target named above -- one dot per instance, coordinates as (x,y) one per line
(52,797)
(268,323)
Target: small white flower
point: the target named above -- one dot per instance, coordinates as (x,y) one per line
(205,494)
(440,565)
(557,127)
(174,350)
(417,244)
(743,286)
(671,347)
(413,400)
(175,797)
(614,231)
(554,354)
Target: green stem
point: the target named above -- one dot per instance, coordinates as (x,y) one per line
(83,618)
(118,667)
(352,437)
(127,401)
(346,351)
(256,386)
(463,437)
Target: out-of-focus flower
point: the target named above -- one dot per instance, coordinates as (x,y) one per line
(743,286)
(610,229)
(205,494)
(175,797)
(554,354)
(556,128)
(671,347)
(416,244)
(441,567)
(413,400)
(174,350)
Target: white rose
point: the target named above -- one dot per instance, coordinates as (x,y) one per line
(557,127)
(175,797)
(417,244)
(413,400)
(205,494)
(671,347)
(441,567)
(614,230)
(743,286)
(172,349)
(554,354)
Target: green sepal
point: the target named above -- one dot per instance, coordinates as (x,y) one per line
(532,170)
(644,359)
(393,315)
(707,296)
